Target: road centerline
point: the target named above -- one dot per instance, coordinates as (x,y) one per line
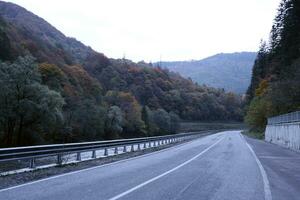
(165,173)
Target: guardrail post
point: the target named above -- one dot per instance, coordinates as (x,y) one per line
(59,159)
(32,163)
(145,145)
(154,143)
(132,148)
(78,156)
(116,150)
(94,154)
(139,146)
(125,149)
(105,152)
(150,144)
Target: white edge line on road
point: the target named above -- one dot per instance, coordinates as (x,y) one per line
(268,194)
(104,165)
(165,173)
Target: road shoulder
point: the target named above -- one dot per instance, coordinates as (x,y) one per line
(282,167)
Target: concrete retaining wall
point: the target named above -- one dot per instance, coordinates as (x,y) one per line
(286,135)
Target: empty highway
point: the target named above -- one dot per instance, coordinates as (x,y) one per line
(221,166)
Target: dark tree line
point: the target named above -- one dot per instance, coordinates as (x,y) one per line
(275,81)
(73,93)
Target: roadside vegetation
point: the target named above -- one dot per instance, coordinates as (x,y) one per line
(254,134)
(275,81)
(190,126)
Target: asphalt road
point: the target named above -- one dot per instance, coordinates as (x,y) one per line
(220,166)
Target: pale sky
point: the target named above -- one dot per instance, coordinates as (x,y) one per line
(170,29)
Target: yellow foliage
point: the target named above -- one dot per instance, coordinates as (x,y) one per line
(47,69)
(262,88)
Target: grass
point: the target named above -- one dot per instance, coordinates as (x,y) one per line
(254,134)
(202,126)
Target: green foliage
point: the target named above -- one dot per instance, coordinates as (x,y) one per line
(5,46)
(275,81)
(254,134)
(257,114)
(87,121)
(174,122)
(150,125)
(163,121)
(103,97)
(114,122)
(159,88)
(133,124)
(28,109)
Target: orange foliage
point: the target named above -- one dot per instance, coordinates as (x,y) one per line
(262,88)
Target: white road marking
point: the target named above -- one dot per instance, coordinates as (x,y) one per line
(104,165)
(279,157)
(165,173)
(268,195)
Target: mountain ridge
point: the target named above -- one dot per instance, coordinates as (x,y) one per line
(104,98)
(217,70)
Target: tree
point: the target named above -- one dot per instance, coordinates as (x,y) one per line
(259,70)
(174,122)
(88,121)
(162,121)
(258,112)
(114,122)
(133,125)
(274,86)
(28,109)
(52,76)
(148,118)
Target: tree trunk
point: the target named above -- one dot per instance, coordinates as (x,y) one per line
(9,132)
(20,130)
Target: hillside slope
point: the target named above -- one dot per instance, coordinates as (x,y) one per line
(274,87)
(231,71)
(105,98)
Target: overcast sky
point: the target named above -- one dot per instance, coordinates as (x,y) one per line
(170,29)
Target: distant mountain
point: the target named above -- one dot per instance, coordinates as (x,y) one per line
(231,71)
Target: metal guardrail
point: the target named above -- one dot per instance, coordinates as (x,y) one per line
(59,150)
(286,118)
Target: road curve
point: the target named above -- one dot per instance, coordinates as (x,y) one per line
(220,166)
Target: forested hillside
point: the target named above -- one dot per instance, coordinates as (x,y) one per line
(275,84)
(56,89)
(231,71)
